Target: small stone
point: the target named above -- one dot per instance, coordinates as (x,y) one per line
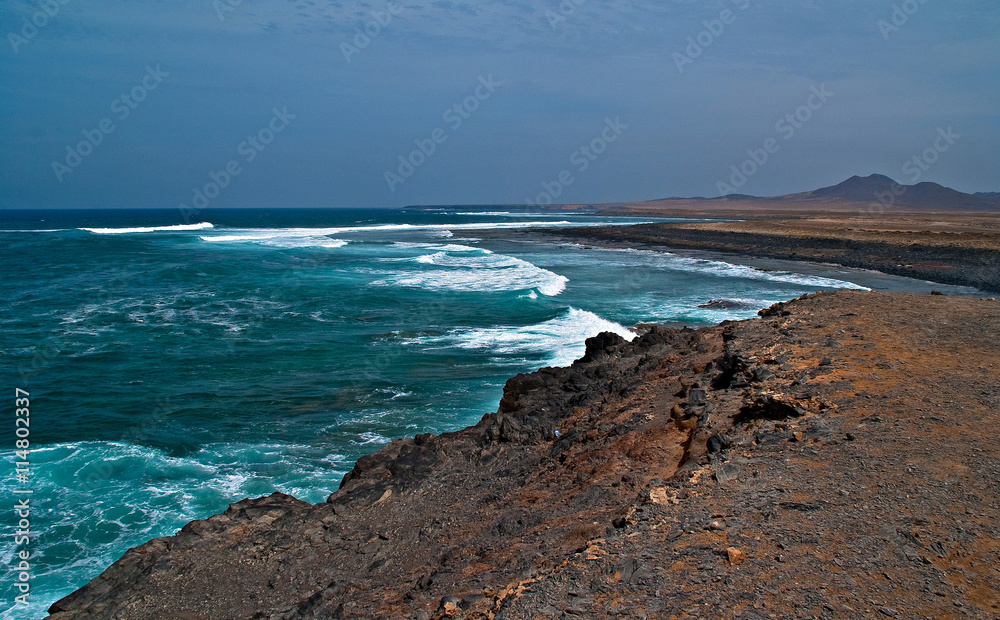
(736,556)
(727,472)
(659,495)
(761,373)
(450,604)
(718,443)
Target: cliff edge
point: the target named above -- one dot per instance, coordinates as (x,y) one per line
(834,458)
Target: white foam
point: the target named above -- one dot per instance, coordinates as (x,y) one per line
(305,242)
(252,234)
(561,339)
(512,214)
(184,309)
(685,309)
(148,229)
(668,260)
(450,247)
(437,247)
(303,238)
(437,230)
(750,273)
(482,213)
(461,268)
(369,438)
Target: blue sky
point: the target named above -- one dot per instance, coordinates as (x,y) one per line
(694,88)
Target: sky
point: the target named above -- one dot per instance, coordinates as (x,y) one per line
(329,103)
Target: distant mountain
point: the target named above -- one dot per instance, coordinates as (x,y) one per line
(880,189)
(854,189)
(856,192)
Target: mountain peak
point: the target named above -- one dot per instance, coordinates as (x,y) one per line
(880,189)
(858,188)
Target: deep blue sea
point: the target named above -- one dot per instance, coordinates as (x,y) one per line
(177,366)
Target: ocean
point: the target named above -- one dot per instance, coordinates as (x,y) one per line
(174,367)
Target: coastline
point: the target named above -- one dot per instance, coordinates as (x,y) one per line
(723,455)
(322,433)
(866,277)
(968,258)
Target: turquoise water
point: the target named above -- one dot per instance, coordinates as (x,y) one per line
(175,367)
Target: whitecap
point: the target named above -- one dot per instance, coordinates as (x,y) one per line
(148,229)
(512,214)
(483,271)
(482,213)
(730,270)
(254,234)
(561,338)
(369,438)
(723,269)
(306,242)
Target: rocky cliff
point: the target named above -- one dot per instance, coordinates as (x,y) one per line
(835,458)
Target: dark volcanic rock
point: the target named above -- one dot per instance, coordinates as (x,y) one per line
(728,304)
(770,407)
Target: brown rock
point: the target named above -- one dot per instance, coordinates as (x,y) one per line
(736,556)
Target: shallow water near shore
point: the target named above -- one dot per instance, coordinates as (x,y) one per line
(177,366)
